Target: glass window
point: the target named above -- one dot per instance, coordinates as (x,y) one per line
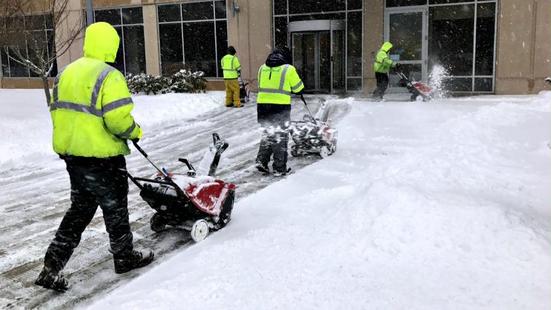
(451,31)
(220,8)
(458,84)
(109,16)
(131,53)
(280,7)
(393,3)
(406,33)
(199,39)
(197,11)
(169,13)
(447,1)
(170,37)
(132,16)
(483,84)
(354,43)
(134,49)
(354,4)
(280,31)
(199,48)
(485,31)
(310,6)
(317,16)
(221,41)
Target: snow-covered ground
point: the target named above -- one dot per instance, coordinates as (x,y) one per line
(25,119)
(440,205)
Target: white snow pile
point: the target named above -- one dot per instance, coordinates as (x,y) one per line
(26,126)
(424,206)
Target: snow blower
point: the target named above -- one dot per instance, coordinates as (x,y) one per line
(197,203)
(313,135)
(244,91)
(417,89)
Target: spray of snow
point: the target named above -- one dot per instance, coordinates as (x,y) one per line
(436,81)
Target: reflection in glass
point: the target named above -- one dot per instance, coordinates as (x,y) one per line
(199,49)
(134,49)
(112,17)
(354,43)
(451,31)
(406,34)
(170,37)
(197,11)
(169,13)
(485,31)
(132,15)
(221,41)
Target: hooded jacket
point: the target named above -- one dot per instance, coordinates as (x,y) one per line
(91,104)
(277,80)
(383,63)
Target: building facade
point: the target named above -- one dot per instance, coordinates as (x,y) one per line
(484,46)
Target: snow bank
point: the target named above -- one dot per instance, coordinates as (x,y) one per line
(442,205)
(27,128)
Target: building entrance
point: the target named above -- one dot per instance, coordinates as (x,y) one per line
(319,54)
(406,28)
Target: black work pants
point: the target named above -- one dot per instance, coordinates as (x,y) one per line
(94,182)
(382,84)
(274,142)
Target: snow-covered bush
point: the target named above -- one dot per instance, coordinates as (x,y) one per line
(148,84)
(186,81)
(183,81)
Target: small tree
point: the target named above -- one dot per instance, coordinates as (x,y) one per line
(24,38)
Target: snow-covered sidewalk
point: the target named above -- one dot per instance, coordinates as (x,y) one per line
(441,205)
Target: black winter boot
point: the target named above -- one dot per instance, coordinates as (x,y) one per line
(52,280)
(135,259)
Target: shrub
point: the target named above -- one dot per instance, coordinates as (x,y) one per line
(183,81)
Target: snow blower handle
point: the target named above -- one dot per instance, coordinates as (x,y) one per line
(307,108)
(161,171)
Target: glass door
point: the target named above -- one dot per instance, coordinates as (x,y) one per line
(406,29)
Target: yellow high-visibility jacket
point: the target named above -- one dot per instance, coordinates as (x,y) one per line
(230,67)
(91,104)
(383,63)
(276,84)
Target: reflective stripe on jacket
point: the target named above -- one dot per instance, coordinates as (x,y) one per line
(276,84)
(230,67)
(383,63)
(91,104)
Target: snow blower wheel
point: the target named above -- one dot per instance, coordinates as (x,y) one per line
(199,230)
(325,151)
(157,223)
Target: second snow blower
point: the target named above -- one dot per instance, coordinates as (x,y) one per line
(198,203)
(314,134)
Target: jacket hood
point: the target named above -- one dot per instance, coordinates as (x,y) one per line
(386,46)
(280,56)
(101,42)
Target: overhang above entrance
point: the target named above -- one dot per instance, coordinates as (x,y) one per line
(316,25)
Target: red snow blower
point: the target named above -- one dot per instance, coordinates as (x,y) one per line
(196,203)
(417,89)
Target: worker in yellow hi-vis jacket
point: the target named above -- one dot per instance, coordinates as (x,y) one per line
(232,71)
(91,118)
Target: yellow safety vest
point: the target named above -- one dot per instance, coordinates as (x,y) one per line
(230,67)
(91,104)
(276,84)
